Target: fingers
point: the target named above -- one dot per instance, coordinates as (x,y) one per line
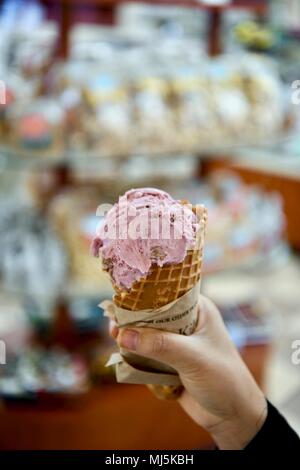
(173,349)
(208,313)
(113,329)
(178,351)
(206,308)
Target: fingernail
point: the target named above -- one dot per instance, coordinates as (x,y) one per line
(114,332)
(129,339)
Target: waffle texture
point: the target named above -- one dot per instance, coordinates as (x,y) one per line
(162,285)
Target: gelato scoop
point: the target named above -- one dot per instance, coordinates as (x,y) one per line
(146,227)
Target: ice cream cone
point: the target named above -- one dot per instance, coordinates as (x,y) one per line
(164,285)
(166,392)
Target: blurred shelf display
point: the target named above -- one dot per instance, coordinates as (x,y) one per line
(48,255)
(107,13)
(99,421)
(39,371)
(91,163)
(32,257)
(119,95)
(250,323)
(250,317)
(248,4)
(245,225)
(52,354)
(171,108)
(278,172)
(122,110)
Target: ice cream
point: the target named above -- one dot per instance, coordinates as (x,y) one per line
(152,247)
(146,227)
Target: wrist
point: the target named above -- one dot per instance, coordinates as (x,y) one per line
(236,433)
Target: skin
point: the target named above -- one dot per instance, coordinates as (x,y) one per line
(220,393)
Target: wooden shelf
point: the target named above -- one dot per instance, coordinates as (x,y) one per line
(106,9)
(259,6)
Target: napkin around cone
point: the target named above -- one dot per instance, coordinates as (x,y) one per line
(179,316)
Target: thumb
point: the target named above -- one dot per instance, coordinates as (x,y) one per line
(173,349)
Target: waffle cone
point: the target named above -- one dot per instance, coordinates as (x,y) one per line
(160,287)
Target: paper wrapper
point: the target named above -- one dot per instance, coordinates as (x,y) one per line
(179,316)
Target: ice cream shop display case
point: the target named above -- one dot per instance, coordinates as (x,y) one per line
(110,103)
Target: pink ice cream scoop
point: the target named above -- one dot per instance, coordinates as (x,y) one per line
(146,227)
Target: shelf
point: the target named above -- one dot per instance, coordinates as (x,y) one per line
(108,10)
(278,256)
(20,159)
(259,6)
(11,159)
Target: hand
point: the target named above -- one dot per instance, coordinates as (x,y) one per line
(219,394)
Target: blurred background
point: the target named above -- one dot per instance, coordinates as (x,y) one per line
(199,98)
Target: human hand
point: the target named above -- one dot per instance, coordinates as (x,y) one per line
(220,393)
